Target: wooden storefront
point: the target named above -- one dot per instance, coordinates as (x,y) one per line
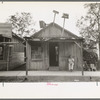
(11,51)
(49,49)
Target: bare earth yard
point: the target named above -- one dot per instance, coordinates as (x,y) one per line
(49,76)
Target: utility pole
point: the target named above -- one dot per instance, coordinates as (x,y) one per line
(55,12)
(65,16)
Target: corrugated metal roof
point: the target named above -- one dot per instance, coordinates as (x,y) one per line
(54,31)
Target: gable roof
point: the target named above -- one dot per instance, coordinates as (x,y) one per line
(54,31)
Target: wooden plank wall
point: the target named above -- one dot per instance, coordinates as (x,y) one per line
(35,64)
(19,47)
(28,55)
(42,64)
(16,60)
(45,55)
(66,49)
(62,57)
(3,65)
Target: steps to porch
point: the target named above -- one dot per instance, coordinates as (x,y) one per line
(53,68)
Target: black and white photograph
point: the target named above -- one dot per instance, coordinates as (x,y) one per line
(49,42)
(55,43)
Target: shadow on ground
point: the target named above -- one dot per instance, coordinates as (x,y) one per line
(19,68)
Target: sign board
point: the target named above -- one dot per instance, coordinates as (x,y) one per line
(6,30)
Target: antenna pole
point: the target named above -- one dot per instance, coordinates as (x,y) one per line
(55,12)
(64,16)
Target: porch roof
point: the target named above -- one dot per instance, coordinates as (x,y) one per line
(8,43)
(6,30)
(55,39)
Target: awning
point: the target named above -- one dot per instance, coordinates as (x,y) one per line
(55,39)
(8,43)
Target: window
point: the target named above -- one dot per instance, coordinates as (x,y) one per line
(1,53)
(36,52)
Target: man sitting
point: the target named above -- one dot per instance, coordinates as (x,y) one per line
(71,63)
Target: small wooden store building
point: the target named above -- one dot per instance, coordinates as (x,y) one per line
(10,57)
(49,49)
(5,43)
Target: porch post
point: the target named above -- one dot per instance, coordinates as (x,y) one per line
(8,59)
(27,59)
(82,58)
(7,54)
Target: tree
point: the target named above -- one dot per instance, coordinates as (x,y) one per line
(22,24)
(89,25)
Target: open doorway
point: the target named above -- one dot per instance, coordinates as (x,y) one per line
(53,54)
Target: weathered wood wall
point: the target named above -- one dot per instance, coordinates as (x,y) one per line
(18,47)
(65,49)
(16,56)
(43,63)
(16,59)
(3,65)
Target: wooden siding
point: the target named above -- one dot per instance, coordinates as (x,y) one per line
(18,47)
(46,55)
(65,49)
(28,56)
(16,60)
(16,55)
(41,64)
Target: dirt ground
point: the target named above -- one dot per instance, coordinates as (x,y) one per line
(51,79)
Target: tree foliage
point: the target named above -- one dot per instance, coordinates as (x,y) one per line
(89,25)
(22,24)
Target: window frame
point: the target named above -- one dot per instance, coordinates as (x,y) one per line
(36,51)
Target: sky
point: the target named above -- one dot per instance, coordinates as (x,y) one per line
(44,11)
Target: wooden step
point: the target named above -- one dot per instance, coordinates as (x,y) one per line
(54,68)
